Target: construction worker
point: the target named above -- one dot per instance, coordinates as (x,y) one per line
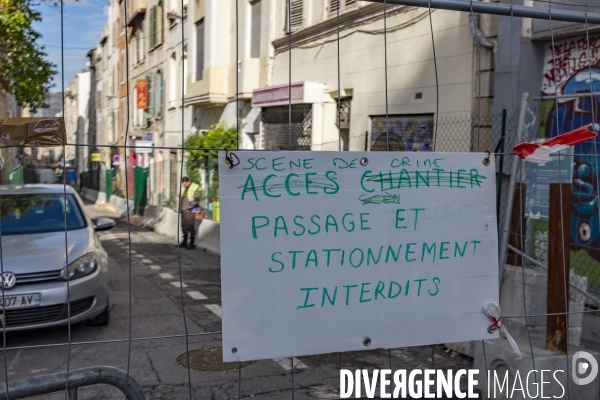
(189,205)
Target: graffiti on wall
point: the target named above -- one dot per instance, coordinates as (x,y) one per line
(403,133)
(573,68)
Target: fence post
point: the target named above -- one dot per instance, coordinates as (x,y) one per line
(501,167)
(505,230)
(558,266)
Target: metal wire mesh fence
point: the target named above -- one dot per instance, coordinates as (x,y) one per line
(153,324)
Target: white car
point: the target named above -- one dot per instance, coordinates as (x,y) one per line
(40,258)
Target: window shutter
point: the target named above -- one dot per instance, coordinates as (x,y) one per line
(199,49)
(255,29)
(153,27)
(343,5)
(159,92)
(333,7)
(151,96)
(296,14)
(161,22)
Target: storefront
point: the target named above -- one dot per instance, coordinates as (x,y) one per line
(309,125)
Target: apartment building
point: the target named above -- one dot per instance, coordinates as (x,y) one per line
(407,99)
(381,73)
(147,50)
(77,98)
(170,69)
(217,67)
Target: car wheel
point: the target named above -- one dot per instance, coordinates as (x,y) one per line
(101,319)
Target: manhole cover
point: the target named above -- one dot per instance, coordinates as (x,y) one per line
(209,359)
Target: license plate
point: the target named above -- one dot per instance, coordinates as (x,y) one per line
(20,301)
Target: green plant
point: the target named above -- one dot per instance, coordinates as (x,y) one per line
(170,202)
(207,146)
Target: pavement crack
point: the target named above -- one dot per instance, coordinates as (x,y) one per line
(153,367)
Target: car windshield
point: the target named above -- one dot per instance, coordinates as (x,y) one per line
(39,213)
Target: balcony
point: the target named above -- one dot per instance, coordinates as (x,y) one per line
(252,75)
(211,90)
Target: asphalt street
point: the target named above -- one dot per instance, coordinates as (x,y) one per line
(146,306)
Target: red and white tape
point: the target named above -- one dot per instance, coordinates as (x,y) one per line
(540,153)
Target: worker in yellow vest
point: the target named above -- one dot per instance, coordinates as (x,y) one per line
(189,205)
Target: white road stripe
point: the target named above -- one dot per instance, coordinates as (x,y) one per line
(215,308)
(286,364)
(155,267)
(179,284)
(197,295)
(148,261)
(166,275)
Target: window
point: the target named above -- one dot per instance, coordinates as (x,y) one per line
(255,29)
(343,5)
(199,49)
(100,133)
(136,112)
(150,112)
(35,213)
(295,11)
(139,51)
(122,62)
(122,120)
(113,127)
(172,79)
(99,95)
(104,57)
(159,92)
(160,22)
(153,27)
(122,21)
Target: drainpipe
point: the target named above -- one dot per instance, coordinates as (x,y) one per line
(479,36)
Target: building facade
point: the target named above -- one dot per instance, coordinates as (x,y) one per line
(147,85)
(384,78)
(375,109)
(170,69)
(77,98)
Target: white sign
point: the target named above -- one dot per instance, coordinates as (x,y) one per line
(143,146)
(337,251)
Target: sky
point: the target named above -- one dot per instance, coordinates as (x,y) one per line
(83,23)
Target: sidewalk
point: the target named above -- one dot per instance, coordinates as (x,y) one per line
(99,211)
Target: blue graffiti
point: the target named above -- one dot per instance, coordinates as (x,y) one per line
(568,115)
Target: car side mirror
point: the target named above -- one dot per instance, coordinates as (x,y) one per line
(104,224)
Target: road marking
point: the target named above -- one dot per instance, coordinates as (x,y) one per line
(179,284)
(286,364)
(138,256)
(215,308)
(197,296)
(155,267)
(147,261)
(133,252)
(166,275)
